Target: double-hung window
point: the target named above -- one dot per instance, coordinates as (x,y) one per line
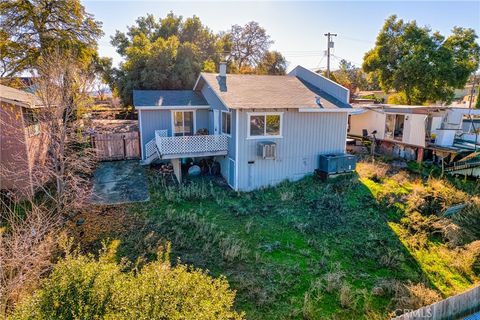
(268,124)
(226,123)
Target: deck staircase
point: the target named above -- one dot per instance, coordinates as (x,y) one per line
(151,152)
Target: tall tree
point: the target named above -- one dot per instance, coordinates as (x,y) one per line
(31,27)
(424,66)
(249,44)
(167,53)
(273,62)
(350,76)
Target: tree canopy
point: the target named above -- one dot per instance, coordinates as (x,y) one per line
(83,287)
(29,28)
(422,65)
(169,53)
(350,76)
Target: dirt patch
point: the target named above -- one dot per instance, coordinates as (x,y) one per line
(114,126)
(101,222)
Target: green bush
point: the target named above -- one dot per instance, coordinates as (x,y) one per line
(82,287)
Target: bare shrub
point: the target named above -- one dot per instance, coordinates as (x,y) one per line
(286,195)
(469,217)
(413,296)
(311,298)
(347,296)
(333,281)
(27,243)
(467,259)
(452,233)
(391,258)
(373,171)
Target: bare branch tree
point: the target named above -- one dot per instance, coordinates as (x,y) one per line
(249,44)
(27,243)
(63,87)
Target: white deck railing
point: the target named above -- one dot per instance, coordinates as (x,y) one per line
(188,145)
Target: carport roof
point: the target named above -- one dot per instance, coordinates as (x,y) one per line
(167,98)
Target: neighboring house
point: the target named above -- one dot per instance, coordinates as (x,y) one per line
(410,125)
(406,131)
(23,146)
(261,129)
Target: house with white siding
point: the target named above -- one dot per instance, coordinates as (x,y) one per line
(261,129)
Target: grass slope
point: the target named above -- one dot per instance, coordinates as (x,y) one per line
(342,249)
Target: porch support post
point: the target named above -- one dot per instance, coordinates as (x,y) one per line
(420,155)
(177,169)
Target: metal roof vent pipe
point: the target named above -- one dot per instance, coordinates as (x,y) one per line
(223,69)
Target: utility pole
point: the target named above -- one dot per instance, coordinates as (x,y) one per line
(329,45)
(472,91)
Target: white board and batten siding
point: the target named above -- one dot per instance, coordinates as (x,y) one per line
(371,120)
(414,129)
(304,137)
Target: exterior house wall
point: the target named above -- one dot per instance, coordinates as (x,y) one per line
(370,120)
(226,163)
(414,129)
(14,159)
(151,120)
(413,132)
(305,137)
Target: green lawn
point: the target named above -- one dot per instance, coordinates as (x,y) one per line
(341,249)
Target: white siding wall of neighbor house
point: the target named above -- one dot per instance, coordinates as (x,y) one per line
(414,129)
(370,120)
(305,137)
(413,132)
(151,120)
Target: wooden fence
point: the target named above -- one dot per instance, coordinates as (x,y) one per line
(455,307)
(117,146)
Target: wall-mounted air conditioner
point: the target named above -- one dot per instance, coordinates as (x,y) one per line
(267,150)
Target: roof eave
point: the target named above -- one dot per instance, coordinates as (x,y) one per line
(184,107)
(326,110)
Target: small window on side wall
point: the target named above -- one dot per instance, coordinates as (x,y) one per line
(226,123)
(31,121)
(265,125)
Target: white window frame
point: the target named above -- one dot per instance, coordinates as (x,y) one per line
(221,123)
(172,116)
(249,114)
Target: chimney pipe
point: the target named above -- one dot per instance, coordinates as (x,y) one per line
(223,69)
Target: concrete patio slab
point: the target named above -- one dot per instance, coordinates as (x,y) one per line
(117,182)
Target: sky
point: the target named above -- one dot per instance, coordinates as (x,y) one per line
(297,28)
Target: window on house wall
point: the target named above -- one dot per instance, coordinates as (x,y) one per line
(265,125)
(389,126)
(394,124)
(183,123)
(32,123)
(226,123)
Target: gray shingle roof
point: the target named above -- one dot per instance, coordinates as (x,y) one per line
(20,96)
(167,98)
(241,91)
